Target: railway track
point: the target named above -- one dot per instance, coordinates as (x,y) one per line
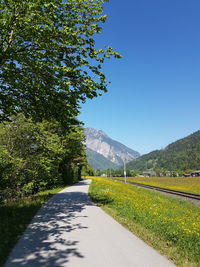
(169,191)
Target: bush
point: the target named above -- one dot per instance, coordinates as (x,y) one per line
(38,156)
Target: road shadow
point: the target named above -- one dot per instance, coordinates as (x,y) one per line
(44,242)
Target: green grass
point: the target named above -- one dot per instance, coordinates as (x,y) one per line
(15,216)
(170,225)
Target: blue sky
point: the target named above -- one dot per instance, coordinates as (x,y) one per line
(154,95)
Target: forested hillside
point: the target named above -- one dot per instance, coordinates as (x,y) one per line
(180,155)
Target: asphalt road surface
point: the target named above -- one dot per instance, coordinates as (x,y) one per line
(70,230)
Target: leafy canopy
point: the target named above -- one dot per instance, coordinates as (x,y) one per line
(38,156)
(48,60)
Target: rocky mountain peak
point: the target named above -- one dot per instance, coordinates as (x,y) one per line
(101,143)
(95,133)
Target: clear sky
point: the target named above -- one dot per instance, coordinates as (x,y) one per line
(154,95)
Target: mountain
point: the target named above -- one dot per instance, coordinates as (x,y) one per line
(98,161)
(115,152)
(180,155)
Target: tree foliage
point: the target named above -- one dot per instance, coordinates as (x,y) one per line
(38,156)
(48,60)
(49,65)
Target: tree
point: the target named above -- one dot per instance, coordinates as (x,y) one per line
(37,156)
(89,171)
(74,158)
(48,60)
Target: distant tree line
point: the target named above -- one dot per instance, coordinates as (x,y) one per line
(158,172)
(113,172)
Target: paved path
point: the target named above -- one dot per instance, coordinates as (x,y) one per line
(72,231)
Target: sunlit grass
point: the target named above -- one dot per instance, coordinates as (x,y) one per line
(15,216)
(170,225)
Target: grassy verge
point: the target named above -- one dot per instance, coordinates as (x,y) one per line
(189,185)
(15,216)
(170,225)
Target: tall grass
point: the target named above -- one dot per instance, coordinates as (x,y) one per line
(170,225)
(15,216)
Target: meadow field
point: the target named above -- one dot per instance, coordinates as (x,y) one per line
(170,225)
(189,184)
